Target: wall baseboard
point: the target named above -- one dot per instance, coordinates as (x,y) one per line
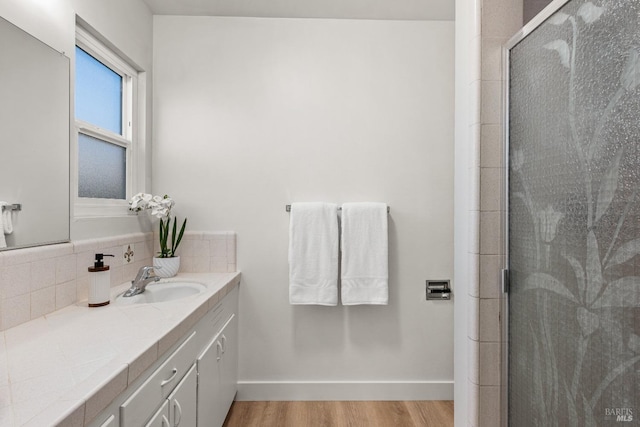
(344,390)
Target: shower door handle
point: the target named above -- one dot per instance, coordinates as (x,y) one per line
(505,279)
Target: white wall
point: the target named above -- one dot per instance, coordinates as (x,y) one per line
(127,25)
(252,114)
(467,29)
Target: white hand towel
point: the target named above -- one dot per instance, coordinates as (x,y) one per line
(7,225)
(313,254)
(3,241)
(365,253)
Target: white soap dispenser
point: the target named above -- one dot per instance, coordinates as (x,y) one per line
(99,283)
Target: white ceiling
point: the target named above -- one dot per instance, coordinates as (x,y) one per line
(331,9)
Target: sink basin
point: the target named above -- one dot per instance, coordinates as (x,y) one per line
(162,292)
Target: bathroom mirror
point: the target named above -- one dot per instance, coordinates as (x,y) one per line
(34,140)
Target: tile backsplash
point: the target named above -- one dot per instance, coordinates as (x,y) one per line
(37,281)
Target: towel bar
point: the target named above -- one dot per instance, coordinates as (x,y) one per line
(14,207)
(288,208)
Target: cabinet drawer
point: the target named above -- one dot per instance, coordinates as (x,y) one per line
(136,410)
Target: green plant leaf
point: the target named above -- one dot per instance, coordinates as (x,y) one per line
(173,237)
(184,224)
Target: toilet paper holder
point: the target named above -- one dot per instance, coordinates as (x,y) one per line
(438,290)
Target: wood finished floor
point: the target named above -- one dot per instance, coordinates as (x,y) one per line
(341,414)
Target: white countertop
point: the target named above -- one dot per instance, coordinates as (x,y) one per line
(68,366)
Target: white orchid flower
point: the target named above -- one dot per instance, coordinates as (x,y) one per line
(139,201)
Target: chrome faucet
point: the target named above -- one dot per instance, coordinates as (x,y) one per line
(145,276)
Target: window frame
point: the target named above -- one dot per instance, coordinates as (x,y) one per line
(131,129)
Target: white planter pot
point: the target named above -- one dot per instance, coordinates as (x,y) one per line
(166,267)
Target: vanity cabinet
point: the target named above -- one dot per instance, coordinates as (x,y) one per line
(179,409)
(136,410)
(217,376)
(161,418)
(182,401)
(110,422)
(192,386)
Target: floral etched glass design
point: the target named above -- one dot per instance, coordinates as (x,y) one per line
(574,218)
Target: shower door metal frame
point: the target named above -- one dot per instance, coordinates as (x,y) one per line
(531,26)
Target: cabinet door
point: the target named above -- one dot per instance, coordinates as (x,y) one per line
(229,367)
(183,401)
(211,411)
(160,418)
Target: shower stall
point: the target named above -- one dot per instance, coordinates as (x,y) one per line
(573,217)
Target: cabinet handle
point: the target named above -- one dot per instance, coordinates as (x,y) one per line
(224,343)
(219,350)
(168,380)
(177,413)
(165,421)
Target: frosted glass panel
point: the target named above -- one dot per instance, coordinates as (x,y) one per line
(101,169)
(98,93)
(574,219)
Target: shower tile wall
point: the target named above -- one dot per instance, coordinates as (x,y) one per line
(499,21)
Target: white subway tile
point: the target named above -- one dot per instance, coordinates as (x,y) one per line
(490,233)
(218,247)
(490,189)
(15,280)
(117,276)
(490,320)
(66,294)
(501,18)
(489,363)
(43,302)
(65,268)
(84,260)
(82,288)
(491,151)
(88,245)
(219,264)
(43,273)
(489,406)
(492,58)
(231,249)
(491,103)
(15,311)
(490,266)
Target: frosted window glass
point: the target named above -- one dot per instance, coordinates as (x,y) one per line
(98,93)
(101,169)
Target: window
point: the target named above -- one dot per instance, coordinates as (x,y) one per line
(105,95)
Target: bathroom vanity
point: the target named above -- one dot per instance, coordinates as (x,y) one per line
(132,363)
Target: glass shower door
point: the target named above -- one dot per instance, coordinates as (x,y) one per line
(574,218)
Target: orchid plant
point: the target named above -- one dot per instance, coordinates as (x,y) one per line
(161,208)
